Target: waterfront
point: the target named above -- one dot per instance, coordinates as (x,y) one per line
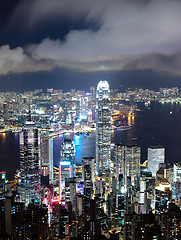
(156,124)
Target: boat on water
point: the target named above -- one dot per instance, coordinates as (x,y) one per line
(147,103)
(125,127)
(134,138)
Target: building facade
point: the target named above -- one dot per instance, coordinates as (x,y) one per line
(127,161)
(29,164)
(156,156)
(88,173)
(46,155)
(103,127)
(67,163)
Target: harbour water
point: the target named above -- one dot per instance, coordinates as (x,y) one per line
(155,124)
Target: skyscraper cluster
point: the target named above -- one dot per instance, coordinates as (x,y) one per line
(112,195)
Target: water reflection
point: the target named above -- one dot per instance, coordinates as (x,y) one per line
(84,147)
(149,126)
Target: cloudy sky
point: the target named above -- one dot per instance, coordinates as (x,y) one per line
(75,43)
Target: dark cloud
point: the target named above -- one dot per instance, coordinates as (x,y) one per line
(131,35)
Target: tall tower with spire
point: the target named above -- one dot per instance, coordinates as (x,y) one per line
(29,162)
(103,127)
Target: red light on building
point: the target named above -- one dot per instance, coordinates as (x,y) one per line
(55,200)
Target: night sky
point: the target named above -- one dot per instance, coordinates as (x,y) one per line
(68,44)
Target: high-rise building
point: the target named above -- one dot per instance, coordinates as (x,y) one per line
(68,153)
(67,162)
(2,184)
(176,184)
(70,192)
(162,196)
(5,112)
(103,127)
(142,198)
(177,172)
(127,161)
(156,156)
(171,222)
(29,163)
(88,172)
(46,155)
(83,108)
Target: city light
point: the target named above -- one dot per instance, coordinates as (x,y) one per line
(65,163)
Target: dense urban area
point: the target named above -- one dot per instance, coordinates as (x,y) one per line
(108,196)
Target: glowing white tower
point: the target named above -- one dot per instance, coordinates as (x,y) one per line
(103,127)
(156,156)
(29,163)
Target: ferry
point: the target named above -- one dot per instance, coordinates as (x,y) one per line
(126,127)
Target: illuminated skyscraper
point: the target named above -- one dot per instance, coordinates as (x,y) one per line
(68,153)
(156,156)
(46,155)
(88,173)
(83,108)
(67,162)
(29,163)
(177,172)
(103,127)
(127,161)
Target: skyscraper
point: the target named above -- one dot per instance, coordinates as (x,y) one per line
(68,153)
(156,156)
(88,172)
(103,127)
(29,163)
(127,161)
(46,155)
(177,172)
(67,163)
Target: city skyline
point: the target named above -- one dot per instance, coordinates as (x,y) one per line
(112,192)
(90,102)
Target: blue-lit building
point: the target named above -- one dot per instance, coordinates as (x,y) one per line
(67,163)
(162,196)
(2,184)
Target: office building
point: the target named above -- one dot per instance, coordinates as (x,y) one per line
(103,127)
(67,153)
(177,172)
(156,156)
(67,162)
(162,196)
(83,108)
(88,172)
(46,155)
(171,222)
(142,198)
(176,184)
(2,184)
(29,163)
(126,161)
(70,192)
